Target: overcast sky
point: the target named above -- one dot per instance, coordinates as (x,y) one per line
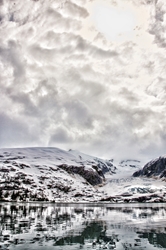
(84,74)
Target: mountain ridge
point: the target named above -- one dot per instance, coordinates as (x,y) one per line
(50,174)
(55,175)
(155,168)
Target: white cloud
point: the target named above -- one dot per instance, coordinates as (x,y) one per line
(64,84)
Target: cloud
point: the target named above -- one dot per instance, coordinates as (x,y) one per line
(61,87)
(10,55)
(14,131)
(158,27)
(73,9)
(78,114)
(60,136)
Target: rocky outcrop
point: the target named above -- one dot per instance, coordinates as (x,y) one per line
(155,168)
(93,177)
(152,198)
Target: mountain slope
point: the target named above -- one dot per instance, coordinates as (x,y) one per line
(55,175)
(50,174)
(155,168)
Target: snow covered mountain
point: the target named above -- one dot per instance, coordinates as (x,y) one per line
(155,168)
(51,174)
(55,175)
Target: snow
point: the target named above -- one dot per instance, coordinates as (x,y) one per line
(47,174)
(39,170)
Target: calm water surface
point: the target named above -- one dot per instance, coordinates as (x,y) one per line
(82,226)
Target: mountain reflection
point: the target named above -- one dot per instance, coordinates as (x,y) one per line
(48,226)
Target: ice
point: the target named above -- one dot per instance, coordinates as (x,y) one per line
(52,174)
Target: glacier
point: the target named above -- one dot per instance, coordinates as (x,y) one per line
(55,175)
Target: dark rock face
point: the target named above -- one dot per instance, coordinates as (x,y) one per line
(93,177)
(154,168)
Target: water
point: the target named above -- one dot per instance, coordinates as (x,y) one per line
(82,226)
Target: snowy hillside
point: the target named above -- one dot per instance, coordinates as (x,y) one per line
(155,169)
(52,174)
(126,186)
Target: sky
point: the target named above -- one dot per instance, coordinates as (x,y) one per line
(84,74)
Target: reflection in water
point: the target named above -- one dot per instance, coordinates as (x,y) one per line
(83,226)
